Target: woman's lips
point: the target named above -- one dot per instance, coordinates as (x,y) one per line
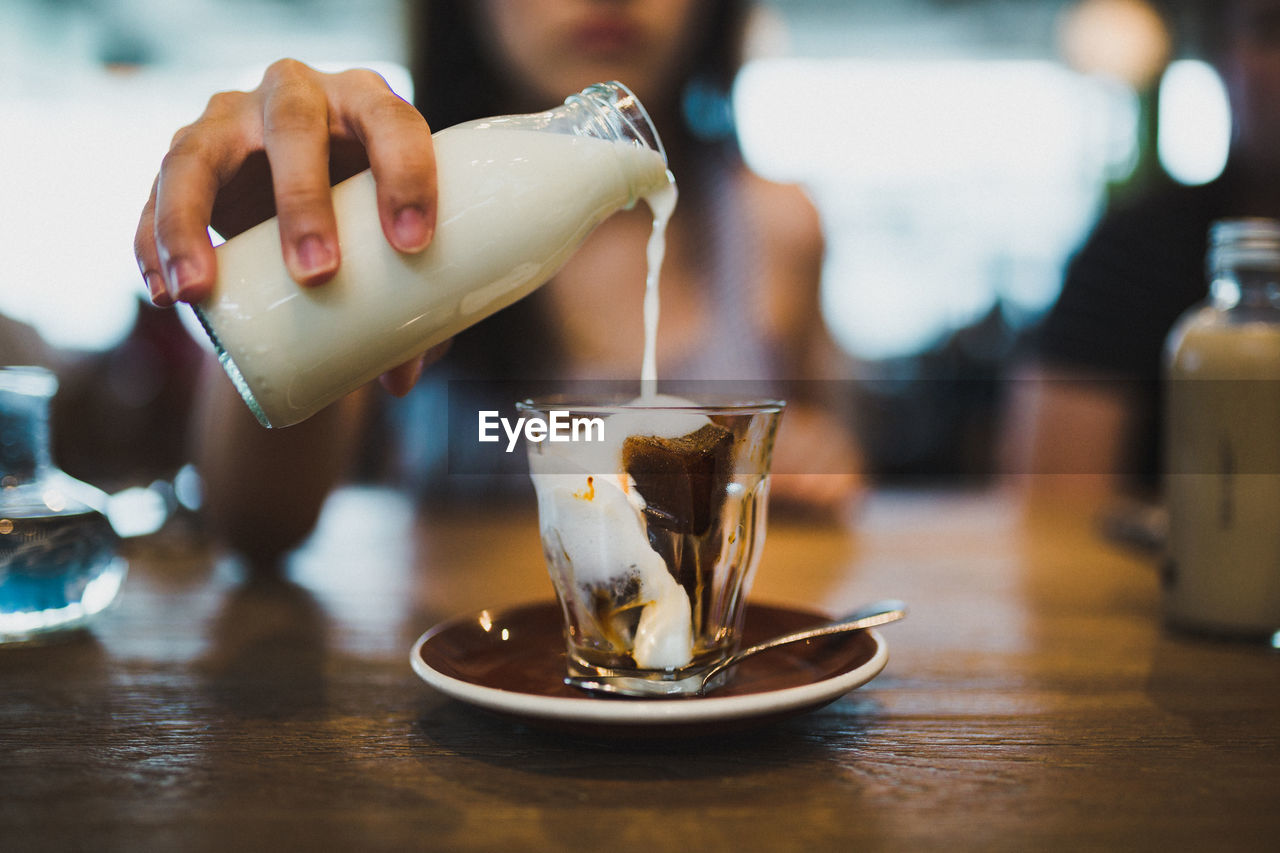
(599,37)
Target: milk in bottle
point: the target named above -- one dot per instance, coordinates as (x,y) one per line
(1222,482)
(517,194)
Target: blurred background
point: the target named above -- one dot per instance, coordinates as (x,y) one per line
(959,151)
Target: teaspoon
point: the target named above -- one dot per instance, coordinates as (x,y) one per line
(880,613)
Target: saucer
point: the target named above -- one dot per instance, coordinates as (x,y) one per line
(512,662)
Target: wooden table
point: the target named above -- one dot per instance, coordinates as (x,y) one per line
(1031,702)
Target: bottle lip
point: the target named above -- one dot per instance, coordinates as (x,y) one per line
(29,380)
(626,107)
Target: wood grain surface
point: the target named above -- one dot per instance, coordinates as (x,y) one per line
(1032,701)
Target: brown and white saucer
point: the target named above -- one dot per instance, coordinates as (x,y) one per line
(512,662)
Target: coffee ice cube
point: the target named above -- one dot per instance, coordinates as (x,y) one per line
(682,480)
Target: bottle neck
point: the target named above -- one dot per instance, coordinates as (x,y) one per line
(606,111)
(1246,287)
(612,111)
(24,438)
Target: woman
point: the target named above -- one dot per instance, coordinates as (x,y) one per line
(739,286)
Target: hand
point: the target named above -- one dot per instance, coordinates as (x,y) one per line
(276,150)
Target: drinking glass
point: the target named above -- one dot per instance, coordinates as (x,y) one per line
(652,514)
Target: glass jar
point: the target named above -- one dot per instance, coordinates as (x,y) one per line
(1222,442)
(517,195)
(59,561)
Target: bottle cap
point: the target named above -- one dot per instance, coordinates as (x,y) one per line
(1251,242)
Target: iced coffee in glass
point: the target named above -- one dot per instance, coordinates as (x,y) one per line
(652,517)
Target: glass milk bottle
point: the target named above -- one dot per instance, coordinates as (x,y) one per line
(58,555)
(1222,481)
(517,194)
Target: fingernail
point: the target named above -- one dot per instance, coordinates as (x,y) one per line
(315,255)
(412,230)
(179,274)
(155,287)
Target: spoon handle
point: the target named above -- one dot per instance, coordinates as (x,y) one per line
(880,613)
